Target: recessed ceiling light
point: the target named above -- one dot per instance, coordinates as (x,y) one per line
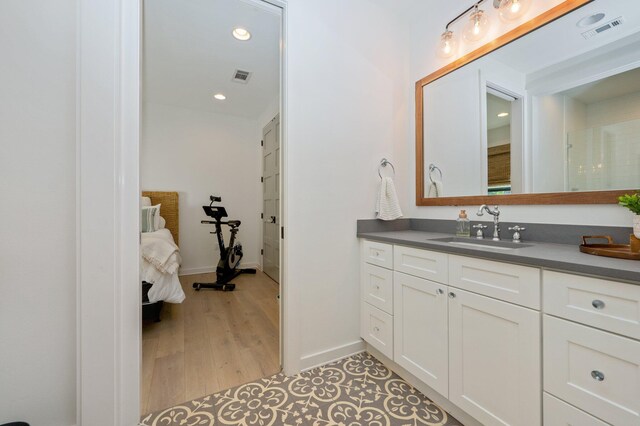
(503,114)
(241,34)
(220,96)
(587,21)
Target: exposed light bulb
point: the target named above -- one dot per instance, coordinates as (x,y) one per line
(511,10)
(477,27)
(448,44)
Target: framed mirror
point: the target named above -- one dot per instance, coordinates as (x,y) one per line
(548,113)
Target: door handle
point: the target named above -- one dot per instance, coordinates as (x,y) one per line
(273,219)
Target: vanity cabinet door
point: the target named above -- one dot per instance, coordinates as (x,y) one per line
(494,359)
(420,330)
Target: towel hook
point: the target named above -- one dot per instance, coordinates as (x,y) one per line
(432,168)
(384,163)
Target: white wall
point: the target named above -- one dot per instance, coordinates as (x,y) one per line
(426,25)
(347,81)
(499,136)
(38,208)
(200,153)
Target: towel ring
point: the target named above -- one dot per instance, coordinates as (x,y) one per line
(384,163)
(432,168)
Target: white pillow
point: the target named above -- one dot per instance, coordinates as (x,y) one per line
(145,202)
(149,218)
(161,222)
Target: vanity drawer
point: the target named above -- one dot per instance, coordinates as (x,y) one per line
(559,413)
(378,254)
(609,305)
(596,371)
(430,265)
(511,283)
(377,287)
(376,327)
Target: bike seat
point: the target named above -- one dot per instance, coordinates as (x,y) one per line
(234,223)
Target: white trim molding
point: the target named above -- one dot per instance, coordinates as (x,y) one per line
(108,301)
(330,355)
(107,168)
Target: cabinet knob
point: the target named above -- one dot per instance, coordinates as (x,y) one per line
(597,375)
(376,329)
(440,291)
(451,295)
(598,304)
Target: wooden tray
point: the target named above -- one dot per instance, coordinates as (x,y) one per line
(621,251)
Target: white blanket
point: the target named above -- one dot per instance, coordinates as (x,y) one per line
(158,249)
(159,266)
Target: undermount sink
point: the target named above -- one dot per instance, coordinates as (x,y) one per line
(475,243)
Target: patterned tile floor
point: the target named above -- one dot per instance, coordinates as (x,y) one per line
(355,391)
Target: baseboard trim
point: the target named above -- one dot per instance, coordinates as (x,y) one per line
(433,395)
(308,362)
(195,271)
(211,269)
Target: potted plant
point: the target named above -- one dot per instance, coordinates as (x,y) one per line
(632,202)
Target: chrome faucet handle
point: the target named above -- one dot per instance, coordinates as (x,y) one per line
(516,234)
(480,233)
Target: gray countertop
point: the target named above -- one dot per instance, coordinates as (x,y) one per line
(557,257)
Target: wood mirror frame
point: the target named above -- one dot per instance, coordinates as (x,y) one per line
(588,197)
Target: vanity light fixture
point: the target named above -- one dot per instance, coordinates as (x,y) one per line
(503,114)
(448,44)
(477,27)
(220,96)
(510,10)
(241,34)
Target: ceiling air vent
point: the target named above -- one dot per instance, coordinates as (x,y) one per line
(602,28)
(241,76)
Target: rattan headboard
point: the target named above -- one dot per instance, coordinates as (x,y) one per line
(168,210)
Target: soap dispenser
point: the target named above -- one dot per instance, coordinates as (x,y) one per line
(463,225)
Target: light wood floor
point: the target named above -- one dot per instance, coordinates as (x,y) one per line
(210,342)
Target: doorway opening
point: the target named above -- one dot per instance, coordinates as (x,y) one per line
(504,142)
(210,135)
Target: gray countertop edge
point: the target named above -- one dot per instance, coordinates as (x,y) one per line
(630,273)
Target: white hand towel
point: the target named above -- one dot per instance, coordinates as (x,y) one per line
(388,207)
(435,189)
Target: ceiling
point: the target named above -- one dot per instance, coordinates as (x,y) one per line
(190,55)
(611,87)
(495,106)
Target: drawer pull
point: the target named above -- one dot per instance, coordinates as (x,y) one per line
(598,304)
(440,291)
(376,329)
(597,375)
(451,295)
(377,287)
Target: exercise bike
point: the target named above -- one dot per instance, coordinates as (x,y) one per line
(230,257)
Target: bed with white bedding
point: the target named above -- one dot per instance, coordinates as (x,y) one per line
(159,266)
(160,256)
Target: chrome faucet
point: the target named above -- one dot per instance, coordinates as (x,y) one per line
(496,219)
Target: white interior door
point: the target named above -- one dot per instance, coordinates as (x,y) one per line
(271,199)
